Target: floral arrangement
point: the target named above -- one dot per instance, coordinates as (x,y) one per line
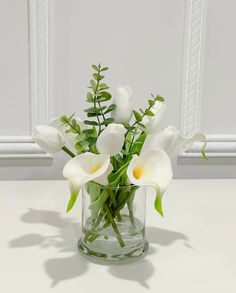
(115,146)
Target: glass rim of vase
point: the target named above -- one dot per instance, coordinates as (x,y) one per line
(112,187)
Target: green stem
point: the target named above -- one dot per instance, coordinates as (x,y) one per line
(112,221)
(103,115)
(66,150)
(112,196)
(136,122)
(94,103)
(71,126)
(91,231)
(99,104)
(131,213)
(93,237)
(130,147)
(121,205)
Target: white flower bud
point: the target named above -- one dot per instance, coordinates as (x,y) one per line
(111,140)
(122,99)
(48,138)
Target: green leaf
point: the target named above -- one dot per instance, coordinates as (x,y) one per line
(90,98)
(148,112)
(82,146)
(71,130)
(137,145)
(95,109)
(91,140)
(137,116)
(130,128)
(128,141)
(93,114)
(75,125)
(94,149)
(159,98)
(104,68)
(103,86)
(151,103)
(142,126)
(102,99)
(64,119)
(90,132)
(93,85)
(98,76)
(97,204)
(88,122)
(158,205)
(135,132)
(93,189)
(95,67)
(107,121)
(124,152)
(203,151)
(119,158)
(110,108)
(73,122)
(80,137)
(71,202)
(113,178)
(105,94)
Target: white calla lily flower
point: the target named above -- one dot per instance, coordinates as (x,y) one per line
(122,100)
(170,140)
(84,168)
(48,138)
(152,123)
(111,139)
(151,168)
(69,137)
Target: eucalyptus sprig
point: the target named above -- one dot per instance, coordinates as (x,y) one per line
(98,95)
(133,146)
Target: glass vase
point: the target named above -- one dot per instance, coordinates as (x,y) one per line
(113,223)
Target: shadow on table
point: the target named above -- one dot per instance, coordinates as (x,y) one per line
(65,239)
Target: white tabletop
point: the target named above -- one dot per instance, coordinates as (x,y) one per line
(193,249)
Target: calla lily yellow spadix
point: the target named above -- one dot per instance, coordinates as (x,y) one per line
(151,168)
(84,168)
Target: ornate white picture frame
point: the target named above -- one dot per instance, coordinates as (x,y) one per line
(15,149)
(220,145)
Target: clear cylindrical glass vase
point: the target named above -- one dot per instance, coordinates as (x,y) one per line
(113,223)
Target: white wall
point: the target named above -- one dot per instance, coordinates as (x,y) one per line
(14,75)
(144,43)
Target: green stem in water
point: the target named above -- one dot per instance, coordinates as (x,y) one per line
(66,150)
(130,205)
(91,231)
(112,221)
(113,200)
(131,213)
